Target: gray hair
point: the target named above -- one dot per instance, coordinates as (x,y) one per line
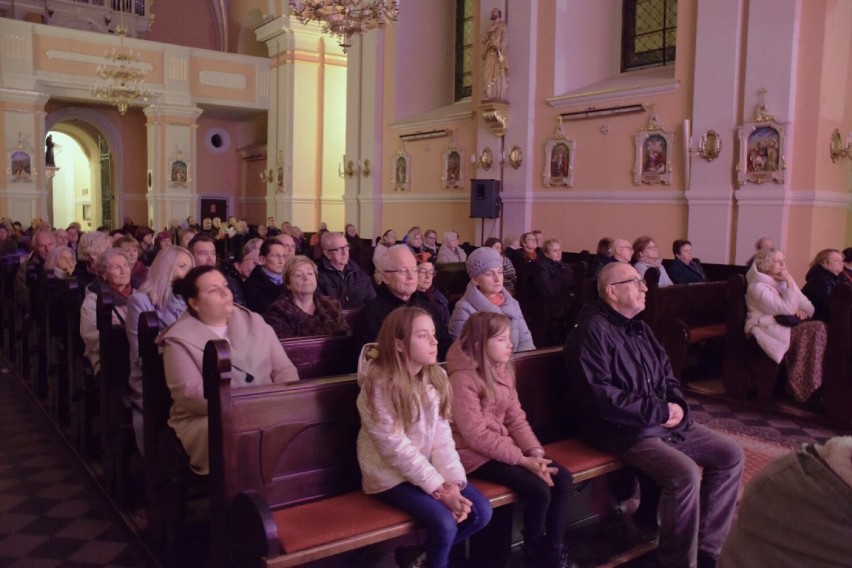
(450,234)
(763,258)
(90,242)
(53,257)
(385,261)
(109,254)
(325,239)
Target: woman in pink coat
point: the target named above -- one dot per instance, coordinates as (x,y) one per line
(495,441)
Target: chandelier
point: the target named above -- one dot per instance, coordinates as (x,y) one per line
(120,81)
(346,18)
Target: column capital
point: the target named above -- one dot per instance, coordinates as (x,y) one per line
(172,114)
(23,97)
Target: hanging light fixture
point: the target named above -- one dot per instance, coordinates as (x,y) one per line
(121,81)
(346,18)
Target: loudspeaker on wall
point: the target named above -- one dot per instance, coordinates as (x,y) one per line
(485,198)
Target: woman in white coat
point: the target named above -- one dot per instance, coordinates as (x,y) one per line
(778,318)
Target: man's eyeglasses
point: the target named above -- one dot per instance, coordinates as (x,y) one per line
(638,282)
(405,271)
(426,272)
(276,256)
(339,250)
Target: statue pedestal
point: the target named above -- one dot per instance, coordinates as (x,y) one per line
(496,116)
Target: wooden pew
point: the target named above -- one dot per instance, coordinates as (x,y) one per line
(684,315)
(285,480)
(715,272)
(746,369)
(81,386)
(321,356)
(53,338)
(837,367)
(116,425)
(169,481)
(9,265)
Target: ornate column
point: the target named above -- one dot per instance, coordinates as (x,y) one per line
(307,118)
(24,184)
(172,193)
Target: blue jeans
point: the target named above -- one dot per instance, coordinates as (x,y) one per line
(698,472)
(442,531)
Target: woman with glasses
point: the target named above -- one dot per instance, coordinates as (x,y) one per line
(426,284)
(301,311)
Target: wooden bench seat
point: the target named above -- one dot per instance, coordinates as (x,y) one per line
(285,480)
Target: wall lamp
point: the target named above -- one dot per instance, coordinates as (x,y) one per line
(414,136)
(837,148)
(593,112)
(352,169)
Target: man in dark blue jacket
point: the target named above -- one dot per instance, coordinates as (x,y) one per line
(339,277)
(632,406)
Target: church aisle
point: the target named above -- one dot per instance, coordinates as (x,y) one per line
(51,512)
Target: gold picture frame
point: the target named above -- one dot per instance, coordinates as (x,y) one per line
(452,172)
(559,159)
(763,142)
(20,165)
(654,148)
(401,168)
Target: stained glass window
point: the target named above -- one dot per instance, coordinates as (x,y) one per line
(648,33)
(464,48)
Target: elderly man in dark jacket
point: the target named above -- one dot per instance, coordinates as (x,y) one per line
(339,277)
(633,407)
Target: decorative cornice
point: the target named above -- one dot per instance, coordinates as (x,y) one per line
(614,197)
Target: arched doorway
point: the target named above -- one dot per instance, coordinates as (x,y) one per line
(72,187)
(88,157)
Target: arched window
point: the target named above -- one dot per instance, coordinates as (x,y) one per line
(648,33)
(464,49)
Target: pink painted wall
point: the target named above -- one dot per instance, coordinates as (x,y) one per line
(190,23)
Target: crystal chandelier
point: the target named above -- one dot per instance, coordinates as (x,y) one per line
(346,18)
(120,81)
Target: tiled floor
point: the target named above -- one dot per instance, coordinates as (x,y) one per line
(51,513)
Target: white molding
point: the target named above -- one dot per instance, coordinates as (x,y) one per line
(458,112)
(622,87)
(614,197)
(409,197)
(821,198)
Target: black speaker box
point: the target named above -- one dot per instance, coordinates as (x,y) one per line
(485,198)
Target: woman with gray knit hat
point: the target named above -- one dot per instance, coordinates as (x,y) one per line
(485,293)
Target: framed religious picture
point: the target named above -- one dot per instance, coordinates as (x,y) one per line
(21,168)
(653,154)
(762,147)
(559,159)
(179,173)
(452,172)
(401,171)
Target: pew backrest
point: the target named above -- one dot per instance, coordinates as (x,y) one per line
(321,356)
(837,369)
(289,443)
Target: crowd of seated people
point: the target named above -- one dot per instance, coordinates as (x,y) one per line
(297,298)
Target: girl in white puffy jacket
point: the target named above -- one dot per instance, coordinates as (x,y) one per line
(405,446)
